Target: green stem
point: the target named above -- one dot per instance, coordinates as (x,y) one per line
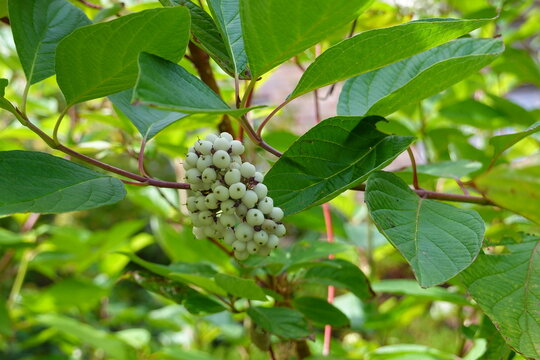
(25,97)
(57,124)
(249,89)
(19,279)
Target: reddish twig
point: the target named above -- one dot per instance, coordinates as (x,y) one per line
(90,5)
(413,164)
(140,158)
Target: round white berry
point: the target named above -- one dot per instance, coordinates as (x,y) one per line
(191,159)
(280,230)
(269,226)
(191,203)
(252,247)
(250,198)
(211,232)
(226,135)
(211,137)
(227,220)
(200,203)
(237,148)
(206,217)
(236,162)
(260,237)
(243,232)
(237,191)
(229,237)
(228,207)
(266,205)
(273,241)
(203,146)
(254,217)
(264,251)
(222,193)
(241,210)
(210,201)
(261,190)
(195,219)
(204,162)
(241,255)
(239,245)
(193,176)
(198,232)
(276,214)
(232,176)
(247,170)
(221,159)
(222,144)
(209,175)
(187,165)
(258,177)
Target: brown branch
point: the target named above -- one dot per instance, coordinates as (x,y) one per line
(91,5)
(413,164)
(221,246)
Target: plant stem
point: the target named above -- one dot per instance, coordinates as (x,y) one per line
(25,96)
(140,158)
(247,93)
(91,5)
(413,164)
(331,289)
(57,124)
(265,121)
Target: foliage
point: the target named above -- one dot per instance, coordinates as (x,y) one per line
(440,262)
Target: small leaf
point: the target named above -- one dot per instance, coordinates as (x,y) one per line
(244,288)
(437,239)
(283,322)
(507,288)
(274,31)
(378,48)
(333,156)
(411,288)
(101,59)
(502,143)
(383,91)
(206,34)
(320,311)
(172,290)
(39,182)
(169,86)
(341,273)
(148,121)
(199,304)
(38,26)
(517,189)
(227,13)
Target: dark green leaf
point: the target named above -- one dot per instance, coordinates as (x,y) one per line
(101,59)
(507,289)
(284,322)
(497,349)
(199,304)
(517,189)
(227,13)
(275,31)
(378,48)
(169,86)
(172,290)
(244,288)
(502,143)
(206,34)
(341,273)
(475,113)
(147,120)
(39,182)
(437,239)
(320,311)
(383,91)
(5,320)
(333,156)
(38,26)
(411,288)
(3,85)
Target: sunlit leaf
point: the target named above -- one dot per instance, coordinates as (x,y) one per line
(283,322)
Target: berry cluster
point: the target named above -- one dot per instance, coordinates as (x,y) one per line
(228,200)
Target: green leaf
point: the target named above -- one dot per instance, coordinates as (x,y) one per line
(274,31)
(341,273)
(450,169)
(378,48)
(497,349)
(408,352)
(169,86)
(227,13)
(4,104)
(320,311)
(388,89)
(148,121)
(517,189)
(437,239)
(502,143)
(206,34)
(411,288)
(86,334)
(244,288)
(333,156)
(507,289)
(170,289)
(3,85)
(5,319)
(283,322)
(39,182)
(101,59)
(38,26)
(199,304)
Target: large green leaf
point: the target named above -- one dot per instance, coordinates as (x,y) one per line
(227,14)
(515,189)
(341,273)
(169,86)
(206,34)
(507,288)
(386,90)
(437,239)
(246,288)
(147,120)
(101,59)
(39,182)
(320,311)
(38,26)
(374,49)
(274,31)
(502,143)
(330,158)
(284,322)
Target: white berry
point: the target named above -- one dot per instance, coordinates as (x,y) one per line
(254,217)
(237,191)
(247,170)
